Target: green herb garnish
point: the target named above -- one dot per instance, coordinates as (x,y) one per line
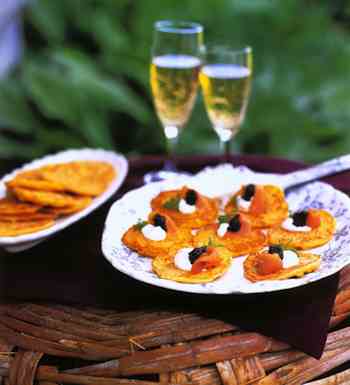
(235,206)
(286,246)
(172,204)
(223,219)
(140,225)
(211,243)
(234,202)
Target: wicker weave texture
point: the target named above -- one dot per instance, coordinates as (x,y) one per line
(50,344)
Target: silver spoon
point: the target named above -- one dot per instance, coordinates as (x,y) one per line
(292,179)
(312,173)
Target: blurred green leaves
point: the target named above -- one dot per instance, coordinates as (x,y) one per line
(49,18)
(83,80)
(15,113)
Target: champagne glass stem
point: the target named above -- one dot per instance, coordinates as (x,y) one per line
(225,136)
(169,164)
(227,150)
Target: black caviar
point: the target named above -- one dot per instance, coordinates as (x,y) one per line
(159,220)
(191,197)
(196,253)
(234,225)
(249,192)
(275,249)
(299,218)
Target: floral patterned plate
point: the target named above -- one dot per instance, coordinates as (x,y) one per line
(219,182)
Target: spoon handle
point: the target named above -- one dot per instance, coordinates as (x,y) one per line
(329,167)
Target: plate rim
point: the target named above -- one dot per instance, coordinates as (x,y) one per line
(120,164)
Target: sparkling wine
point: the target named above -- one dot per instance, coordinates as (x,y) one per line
(226,89)
(174,83)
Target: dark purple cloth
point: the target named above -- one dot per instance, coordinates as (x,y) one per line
(70,268)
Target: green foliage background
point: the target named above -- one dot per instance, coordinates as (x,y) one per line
(83,80)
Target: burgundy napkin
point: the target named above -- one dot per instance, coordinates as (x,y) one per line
(71,269)
(299,317)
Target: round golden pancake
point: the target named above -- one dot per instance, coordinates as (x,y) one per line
(206,208)
(307,264)
(89,178)
(9,206)
(276,208)
(46,198)
(236,243)
(175,238)
(12,229)
(33,181)
(29,217)
(305,240)
(72,209)
(165,268)
(29,174)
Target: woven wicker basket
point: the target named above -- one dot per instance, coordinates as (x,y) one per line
(55,344)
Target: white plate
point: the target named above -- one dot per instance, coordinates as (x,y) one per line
(119,162)
(218,182)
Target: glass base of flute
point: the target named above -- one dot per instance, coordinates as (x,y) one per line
(225,135)
(169,169)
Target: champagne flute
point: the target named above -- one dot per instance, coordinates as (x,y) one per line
(225,79)
(176,60)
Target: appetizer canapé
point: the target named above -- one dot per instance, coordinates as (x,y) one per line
(304,229)
(193,265)
(264,205)
(158,236)
(187,207)
(277,263)
(235,233)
